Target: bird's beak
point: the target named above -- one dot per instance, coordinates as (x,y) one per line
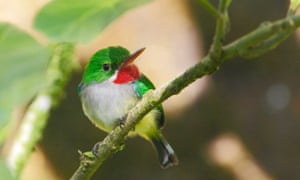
(132,57)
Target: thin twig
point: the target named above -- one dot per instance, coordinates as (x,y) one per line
(221,29)
(210,8)
(246,45)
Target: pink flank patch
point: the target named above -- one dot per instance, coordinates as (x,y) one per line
(127,74)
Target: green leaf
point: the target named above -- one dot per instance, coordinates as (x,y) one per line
(80,21)
(23,65)
(4,172)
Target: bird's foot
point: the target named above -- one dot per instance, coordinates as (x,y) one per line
(122,121)
(95,148)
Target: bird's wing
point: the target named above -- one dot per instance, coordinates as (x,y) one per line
(142,85)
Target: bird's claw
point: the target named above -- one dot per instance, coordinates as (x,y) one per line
(95,148)
(122,121)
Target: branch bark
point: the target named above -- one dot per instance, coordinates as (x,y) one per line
(246,46)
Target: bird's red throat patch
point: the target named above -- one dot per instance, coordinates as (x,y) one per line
(127,73)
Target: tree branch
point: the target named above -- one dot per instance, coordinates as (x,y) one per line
(245,46)
(248,45)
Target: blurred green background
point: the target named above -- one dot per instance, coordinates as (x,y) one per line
(257,101)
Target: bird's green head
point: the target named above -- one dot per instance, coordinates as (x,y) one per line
(105,64)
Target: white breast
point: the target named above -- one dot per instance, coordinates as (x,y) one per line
(105,103)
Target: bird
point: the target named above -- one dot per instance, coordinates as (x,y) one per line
(111,85)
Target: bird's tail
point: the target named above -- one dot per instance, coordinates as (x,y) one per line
(166,154)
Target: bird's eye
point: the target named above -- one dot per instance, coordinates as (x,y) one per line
(106,67)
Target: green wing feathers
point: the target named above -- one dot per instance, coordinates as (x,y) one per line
(141,86)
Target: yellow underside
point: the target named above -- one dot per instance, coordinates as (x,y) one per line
(147,126)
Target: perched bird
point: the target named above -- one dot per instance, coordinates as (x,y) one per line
(111,86)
